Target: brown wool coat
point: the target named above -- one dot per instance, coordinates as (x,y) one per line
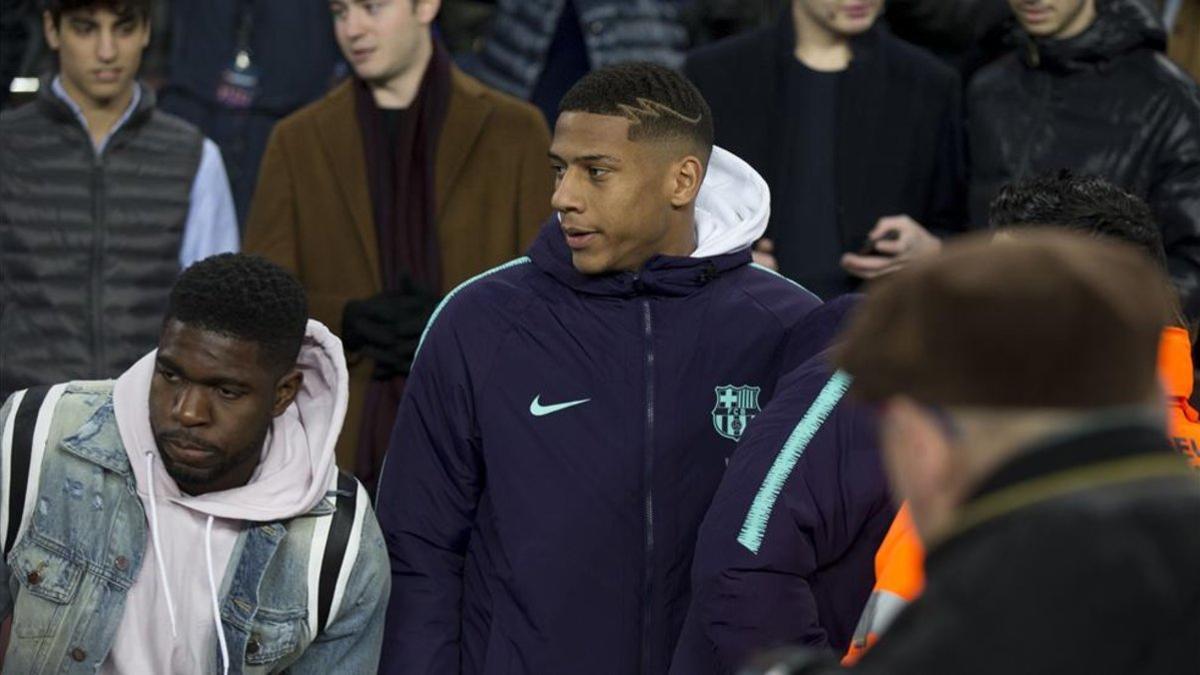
(1183,44)
(312,212)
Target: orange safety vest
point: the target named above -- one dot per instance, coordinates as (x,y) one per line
(900,560)
(1175,371)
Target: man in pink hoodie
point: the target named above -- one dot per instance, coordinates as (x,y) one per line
(189,516)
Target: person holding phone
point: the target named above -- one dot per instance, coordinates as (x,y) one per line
(858,134)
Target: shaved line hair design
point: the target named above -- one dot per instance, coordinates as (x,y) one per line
(649,108)
(660,103)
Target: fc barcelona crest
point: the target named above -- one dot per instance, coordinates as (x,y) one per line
(736,406)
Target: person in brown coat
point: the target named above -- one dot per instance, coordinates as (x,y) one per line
(401,183)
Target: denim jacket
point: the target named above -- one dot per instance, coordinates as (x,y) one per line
(83,545)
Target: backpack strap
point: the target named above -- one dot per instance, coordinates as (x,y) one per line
(22,448)
(334,551)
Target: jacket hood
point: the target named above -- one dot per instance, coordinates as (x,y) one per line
(732,210)
(1121,26)
(298,463)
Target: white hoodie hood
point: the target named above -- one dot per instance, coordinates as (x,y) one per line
(297,467)
(733,206)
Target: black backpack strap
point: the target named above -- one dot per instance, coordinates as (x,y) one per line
(336,541)
(22,447)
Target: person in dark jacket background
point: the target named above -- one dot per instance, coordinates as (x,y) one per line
(1089,89)
(784,555)
(1030,444)
(858,134)
(14,40)
(239,66)
(537,49)
(570,414)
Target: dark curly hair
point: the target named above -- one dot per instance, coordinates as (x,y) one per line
(245,297)
(1086,204)
(659,102)
(139,9)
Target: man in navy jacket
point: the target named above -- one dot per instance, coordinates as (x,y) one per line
(786,552)
(570,414)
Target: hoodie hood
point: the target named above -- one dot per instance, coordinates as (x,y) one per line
(733,206)
(732,210)
(298,463)
(1121,26)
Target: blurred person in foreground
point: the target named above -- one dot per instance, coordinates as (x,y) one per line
(189,517)
(404,181)
(1089,89)
(858,134)
(103,200)
(1021,417)
(1093,207)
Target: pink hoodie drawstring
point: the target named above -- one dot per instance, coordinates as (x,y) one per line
(212,587)
(162,567)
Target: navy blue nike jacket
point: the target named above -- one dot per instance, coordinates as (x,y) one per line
(786,553)
(558,444)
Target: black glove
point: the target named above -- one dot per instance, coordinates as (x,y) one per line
(387,327)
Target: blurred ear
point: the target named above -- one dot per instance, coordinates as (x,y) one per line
(426,10)
(686,176)
(919,460)
(285,391)
(50,30)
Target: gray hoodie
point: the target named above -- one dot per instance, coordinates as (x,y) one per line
(171,619)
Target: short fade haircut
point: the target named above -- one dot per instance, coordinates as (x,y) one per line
(245,297)
(1051,319)
(137,8)
(660,103)
(1086,204)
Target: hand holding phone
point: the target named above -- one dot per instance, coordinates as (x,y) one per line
(869,246)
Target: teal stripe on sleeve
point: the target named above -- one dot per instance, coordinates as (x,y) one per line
(450,296)
(791,281)
(755,525)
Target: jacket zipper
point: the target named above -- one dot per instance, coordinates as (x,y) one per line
(1042,118)
(648,492)
(97,267)
(98,237)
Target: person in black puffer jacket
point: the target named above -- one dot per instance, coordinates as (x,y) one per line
(1089,89)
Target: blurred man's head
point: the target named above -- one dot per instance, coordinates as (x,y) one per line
(226,367)
(384,39)
(845,18)
(630,151)
(977,353)
(99,45)
(1088,205)
(1054,19)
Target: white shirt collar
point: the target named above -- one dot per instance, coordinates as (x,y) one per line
(61,92)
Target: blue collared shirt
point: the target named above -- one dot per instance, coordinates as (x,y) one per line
(211,226)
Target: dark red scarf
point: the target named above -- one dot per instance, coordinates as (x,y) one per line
(400,174)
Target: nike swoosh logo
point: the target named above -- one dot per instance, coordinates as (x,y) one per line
(538,410)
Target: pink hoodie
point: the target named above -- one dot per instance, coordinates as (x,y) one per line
(171,618)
